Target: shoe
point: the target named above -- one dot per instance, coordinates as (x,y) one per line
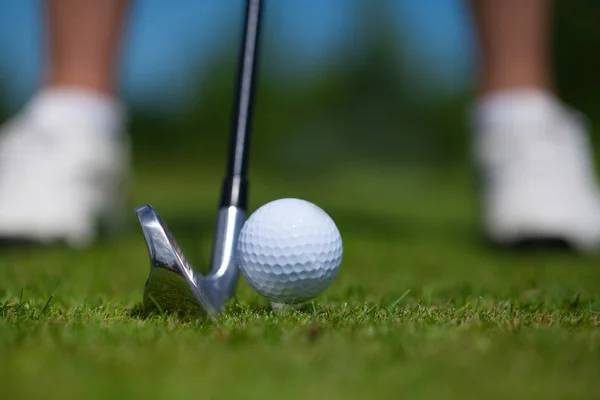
(537,171)
(63,167)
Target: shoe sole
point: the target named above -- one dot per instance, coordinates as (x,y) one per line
(533,244)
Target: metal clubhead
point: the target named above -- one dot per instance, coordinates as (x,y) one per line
(172,284)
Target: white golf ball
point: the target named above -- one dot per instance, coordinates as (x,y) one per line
(289,251)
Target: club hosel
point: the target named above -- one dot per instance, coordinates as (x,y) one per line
(223,266)
(235,192)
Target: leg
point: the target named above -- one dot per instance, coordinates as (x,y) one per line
(85,36)
(514,38)
(63,158)
(538,176)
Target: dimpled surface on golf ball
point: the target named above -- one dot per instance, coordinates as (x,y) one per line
(289,250)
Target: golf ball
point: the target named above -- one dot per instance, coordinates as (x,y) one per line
(289,251)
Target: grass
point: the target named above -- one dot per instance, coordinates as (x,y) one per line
(420,309)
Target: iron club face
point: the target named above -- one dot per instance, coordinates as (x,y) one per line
(172,283)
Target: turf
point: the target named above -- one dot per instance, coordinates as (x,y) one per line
(421,307)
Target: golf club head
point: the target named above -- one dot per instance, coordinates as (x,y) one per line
(172,283)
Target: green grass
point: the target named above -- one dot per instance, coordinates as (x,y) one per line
(420,308)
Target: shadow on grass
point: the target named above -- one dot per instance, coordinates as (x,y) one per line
(139,312)
(531,245)
(233,310)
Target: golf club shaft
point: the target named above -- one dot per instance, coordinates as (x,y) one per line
(235,191)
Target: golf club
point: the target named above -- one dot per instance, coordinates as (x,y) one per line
(172,284)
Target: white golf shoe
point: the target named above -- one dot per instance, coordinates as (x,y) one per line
(537,171)
(63,164)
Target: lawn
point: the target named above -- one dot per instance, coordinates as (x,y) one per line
(421,307)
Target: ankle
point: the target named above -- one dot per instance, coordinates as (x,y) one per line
(510,104)
(78,105)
